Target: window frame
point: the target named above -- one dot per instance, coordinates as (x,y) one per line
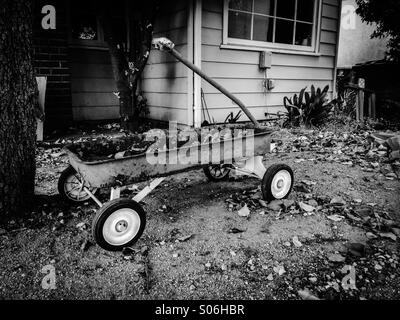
(280,47)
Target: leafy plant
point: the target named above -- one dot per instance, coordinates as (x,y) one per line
(308,108)
(347,103)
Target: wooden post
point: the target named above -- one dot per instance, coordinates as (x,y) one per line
(361,97)
(370,105)
(373,106)
(42,83)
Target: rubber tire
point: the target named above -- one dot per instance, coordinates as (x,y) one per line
(61,181)
(105,212)
(210,177)
(269,177)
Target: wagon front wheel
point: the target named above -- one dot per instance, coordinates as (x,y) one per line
(119,224)
(277,183)
(71,186)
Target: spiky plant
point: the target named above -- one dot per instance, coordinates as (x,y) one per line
(308,108)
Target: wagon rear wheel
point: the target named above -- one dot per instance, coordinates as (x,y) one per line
(217,172)
(119,224)
(71,186)
(277,183)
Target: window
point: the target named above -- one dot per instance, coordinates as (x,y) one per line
(285,24)
(85,24)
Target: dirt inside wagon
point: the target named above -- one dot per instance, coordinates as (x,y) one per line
(336,237)
(123,145)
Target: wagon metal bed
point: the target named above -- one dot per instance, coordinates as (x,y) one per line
(120,222)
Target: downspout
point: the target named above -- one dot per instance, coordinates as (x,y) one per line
(337,49)
(197,59)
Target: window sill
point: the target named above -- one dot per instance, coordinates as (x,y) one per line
(273,50)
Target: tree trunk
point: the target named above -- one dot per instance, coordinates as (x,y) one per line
(128,63)
(18,98)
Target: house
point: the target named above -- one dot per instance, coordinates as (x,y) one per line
(260,50)
(355,43)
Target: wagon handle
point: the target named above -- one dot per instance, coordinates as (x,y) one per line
(164,44)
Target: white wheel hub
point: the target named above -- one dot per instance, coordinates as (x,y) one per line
(121,227)
(281,184)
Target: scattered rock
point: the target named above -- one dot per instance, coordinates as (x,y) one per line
(388,235)
(296,242)
(313,279)
(244,212)
(270,277)
(175,255)
(119,155)
(313,203)
(280,270)
(336,218)
(144,250)
(81,225)
(338,202)
(336,258)
(236,230)
(391,176)
(378,267)
(396,231)
(185,238)
(263,203)
(305,207)
(371,235)
(275,205)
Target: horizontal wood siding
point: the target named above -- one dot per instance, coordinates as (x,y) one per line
(92,85)
(165,81)
(238,70)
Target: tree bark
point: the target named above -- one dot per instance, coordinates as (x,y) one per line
(18,99)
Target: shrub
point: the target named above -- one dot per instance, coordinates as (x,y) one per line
(308,108)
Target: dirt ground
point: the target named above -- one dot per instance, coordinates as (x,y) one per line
(197,246)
